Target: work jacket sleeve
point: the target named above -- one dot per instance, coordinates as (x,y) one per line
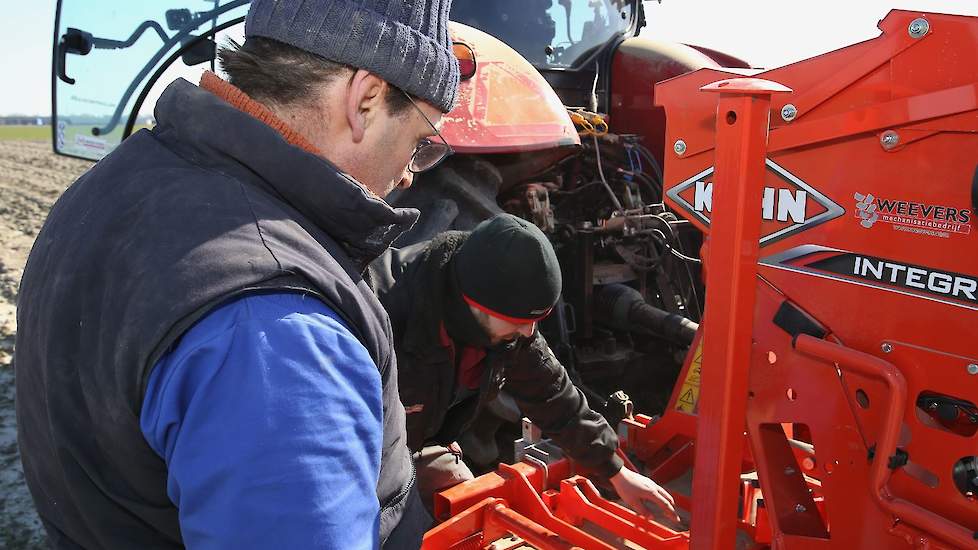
(268,415)
(544,392)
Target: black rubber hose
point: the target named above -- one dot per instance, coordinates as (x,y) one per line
(623,308)
(650,158)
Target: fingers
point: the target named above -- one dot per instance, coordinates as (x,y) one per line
(668,507)
(664,501)
(665,495)
(652,510)
(643,495)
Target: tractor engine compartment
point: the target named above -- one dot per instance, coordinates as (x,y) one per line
(632,294)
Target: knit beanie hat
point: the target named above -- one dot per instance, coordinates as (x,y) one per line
(405,42)
(507,268)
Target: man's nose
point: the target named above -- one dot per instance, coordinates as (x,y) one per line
(528,329)
(407,178)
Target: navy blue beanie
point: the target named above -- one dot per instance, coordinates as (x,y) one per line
(405,42)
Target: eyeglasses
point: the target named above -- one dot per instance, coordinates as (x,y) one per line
(428,153)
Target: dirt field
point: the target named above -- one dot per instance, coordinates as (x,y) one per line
(31,178)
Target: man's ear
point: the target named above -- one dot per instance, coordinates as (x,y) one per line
(365,95)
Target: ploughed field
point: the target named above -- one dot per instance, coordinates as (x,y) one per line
(31,179)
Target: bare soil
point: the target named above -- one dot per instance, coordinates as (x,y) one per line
(31,179)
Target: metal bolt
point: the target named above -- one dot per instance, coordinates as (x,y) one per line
(972,369)
(789,471)
(679,147)
(800,508)
(918,27)
(886,347)
(789,112)
(889,139)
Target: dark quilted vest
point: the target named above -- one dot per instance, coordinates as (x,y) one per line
(209,205)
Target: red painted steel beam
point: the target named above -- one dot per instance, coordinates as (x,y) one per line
(500,520)
(854,361)
(741,143)
(890,114)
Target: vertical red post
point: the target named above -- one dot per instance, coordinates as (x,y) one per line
(735,225)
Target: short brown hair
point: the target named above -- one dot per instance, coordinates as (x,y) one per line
(272,72)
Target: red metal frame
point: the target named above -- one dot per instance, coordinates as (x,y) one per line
(514,500)
(741,130)
(832,142)
(816,368)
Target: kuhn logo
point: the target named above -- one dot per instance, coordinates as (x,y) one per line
(789,205)
(913,217)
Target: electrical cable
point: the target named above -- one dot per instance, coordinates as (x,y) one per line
(594,87)
(656,189)
(674,239)
(687,260)
(607,186)
(692,288)
(644,151)
(672,250)
(682,256)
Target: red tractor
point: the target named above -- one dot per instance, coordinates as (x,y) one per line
(529,139)
(828,400)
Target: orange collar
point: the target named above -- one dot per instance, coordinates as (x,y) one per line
(240,100)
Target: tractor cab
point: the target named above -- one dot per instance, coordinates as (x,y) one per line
(553,35)
(111,62)
(570,42)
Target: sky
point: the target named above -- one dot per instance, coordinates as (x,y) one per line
(767,33)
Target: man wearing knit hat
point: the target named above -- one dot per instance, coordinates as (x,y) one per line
(199,361)
(464,308)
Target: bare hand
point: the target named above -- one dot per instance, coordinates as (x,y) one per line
(638,491)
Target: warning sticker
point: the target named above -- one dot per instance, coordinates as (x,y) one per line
(689,394)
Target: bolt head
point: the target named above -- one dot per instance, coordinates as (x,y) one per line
(886,347)
(789,112)
(918,28)
(679,147)
(789,471)
(889,139)
(972,369)
(800,508)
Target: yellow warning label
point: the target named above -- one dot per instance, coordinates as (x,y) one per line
(689,394)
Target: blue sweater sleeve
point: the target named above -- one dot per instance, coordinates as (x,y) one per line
(268,414)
